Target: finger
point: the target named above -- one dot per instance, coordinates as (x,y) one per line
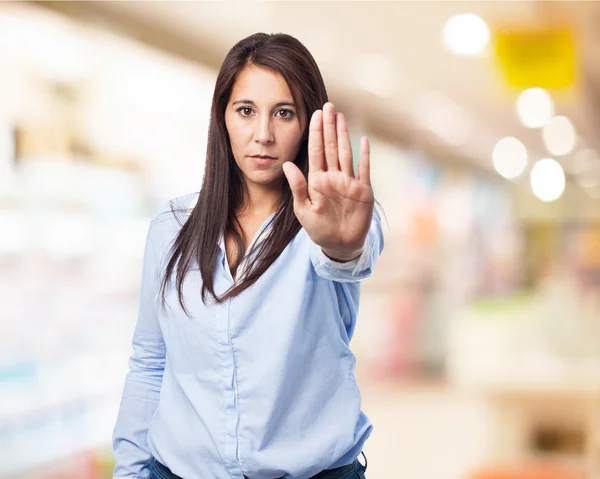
(330,137)
(316,158)
(298,185)
(364,163)
(344,145)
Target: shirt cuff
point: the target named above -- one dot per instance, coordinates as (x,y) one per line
(356,265)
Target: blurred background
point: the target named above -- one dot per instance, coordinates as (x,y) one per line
(478,340)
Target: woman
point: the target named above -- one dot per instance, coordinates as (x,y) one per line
(250,290)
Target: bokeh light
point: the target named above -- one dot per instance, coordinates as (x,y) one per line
(559,136)
(535,107)
(466,34)
(509,157)
(547,179)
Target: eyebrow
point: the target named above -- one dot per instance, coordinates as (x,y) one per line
(281,103)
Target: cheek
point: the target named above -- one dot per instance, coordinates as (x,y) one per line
(237,137)
(290,135)
(293,141)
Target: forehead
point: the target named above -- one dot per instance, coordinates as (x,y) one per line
(261,86)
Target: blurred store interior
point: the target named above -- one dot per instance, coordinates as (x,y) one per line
(478,340)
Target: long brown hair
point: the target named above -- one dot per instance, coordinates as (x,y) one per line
(223,189)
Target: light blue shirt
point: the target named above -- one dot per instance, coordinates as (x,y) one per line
(261,385)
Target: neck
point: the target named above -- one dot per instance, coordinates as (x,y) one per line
(262,200)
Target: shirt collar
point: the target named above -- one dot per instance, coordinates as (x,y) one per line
(260,236)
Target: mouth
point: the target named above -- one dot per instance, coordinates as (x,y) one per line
(264,157)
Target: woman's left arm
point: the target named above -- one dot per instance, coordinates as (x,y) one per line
(335,207)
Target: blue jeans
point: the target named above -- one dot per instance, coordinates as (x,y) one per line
(352,471)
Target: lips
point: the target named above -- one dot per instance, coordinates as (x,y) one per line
(264,157)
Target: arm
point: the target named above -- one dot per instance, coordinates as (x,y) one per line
(334,206)
(356,269)
(143,382)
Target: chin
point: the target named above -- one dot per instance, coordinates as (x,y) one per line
(266,178)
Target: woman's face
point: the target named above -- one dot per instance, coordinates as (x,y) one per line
(261,119)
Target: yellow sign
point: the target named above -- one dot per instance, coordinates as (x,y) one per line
(542,58)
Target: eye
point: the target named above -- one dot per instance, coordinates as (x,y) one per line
(244,108)
(288,114)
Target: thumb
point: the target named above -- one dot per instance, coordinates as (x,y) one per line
(297,184)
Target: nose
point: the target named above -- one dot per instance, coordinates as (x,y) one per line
(263,133)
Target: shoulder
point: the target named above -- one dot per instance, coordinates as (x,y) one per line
(178,208)
(170,216)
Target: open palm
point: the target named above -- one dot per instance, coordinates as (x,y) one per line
(334,207)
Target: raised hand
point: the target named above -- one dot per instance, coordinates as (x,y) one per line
(334,207)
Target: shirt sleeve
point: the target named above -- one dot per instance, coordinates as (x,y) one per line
(143,382)
(357,269)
